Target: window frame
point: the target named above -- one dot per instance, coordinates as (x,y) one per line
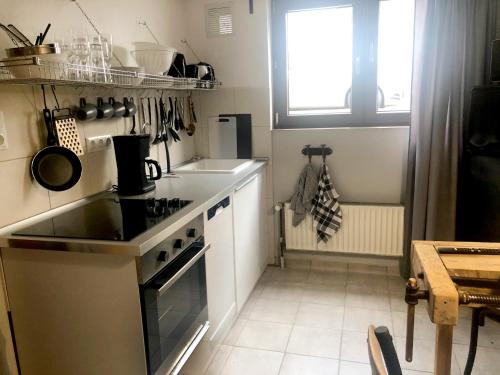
(364,70)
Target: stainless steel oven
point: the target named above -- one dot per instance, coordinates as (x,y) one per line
(174,303)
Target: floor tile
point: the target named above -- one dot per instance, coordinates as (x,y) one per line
(274,311)
(317,342)
(358,319)
(396,284)
(326,295)
(486,362)
(268,274)
(354,347)
(424,328)
(327,278)
(358,297)
(248,307)
(235,331)
(423,356)
(283,291)
(245,361)
(219,360)
(366,279)
(353,368)
(298,264)
(320,316)
(489,335)
(265,335)
(301,365)
(290,275)
(412,372)
(372,269)
(328,266)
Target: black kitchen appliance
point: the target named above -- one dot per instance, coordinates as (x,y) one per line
(132,155)
(478,216)
(202,71)
(178,67)
(108,219)
(171,273)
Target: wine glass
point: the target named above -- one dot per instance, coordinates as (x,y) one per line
(107,51)
(81,49)
(98,67)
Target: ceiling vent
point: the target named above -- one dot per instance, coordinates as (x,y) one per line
(219,20)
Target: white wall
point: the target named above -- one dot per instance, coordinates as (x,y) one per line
(368,165)
(20,196)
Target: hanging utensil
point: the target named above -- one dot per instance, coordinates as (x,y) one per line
(163,116)
(132,131)
(66,129)
(191,128)
(181,114)
(9,33)
(147,123)
(55,167)
(42,38)
(157,138)
(20,35)
(176,116)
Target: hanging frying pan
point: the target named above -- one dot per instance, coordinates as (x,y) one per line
(55,167)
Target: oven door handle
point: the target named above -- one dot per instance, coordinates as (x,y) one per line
(182,271)
(193,343)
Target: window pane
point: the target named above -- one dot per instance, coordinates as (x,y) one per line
(395,54)
(319,53)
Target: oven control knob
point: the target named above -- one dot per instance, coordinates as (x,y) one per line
(178,244)
(163,256)
(191,232)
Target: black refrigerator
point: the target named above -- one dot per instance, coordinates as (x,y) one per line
(478,214)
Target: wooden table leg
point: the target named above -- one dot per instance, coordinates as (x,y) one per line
(444,344)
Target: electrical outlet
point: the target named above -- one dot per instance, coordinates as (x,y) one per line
(98,143)
(3,133)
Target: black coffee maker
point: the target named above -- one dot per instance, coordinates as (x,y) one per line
(132,154)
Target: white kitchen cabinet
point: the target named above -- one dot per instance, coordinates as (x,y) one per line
(221,293)
(249,235)
(220,268)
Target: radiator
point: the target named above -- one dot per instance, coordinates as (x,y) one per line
(366,229)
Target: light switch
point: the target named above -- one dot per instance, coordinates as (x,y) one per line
(3,133)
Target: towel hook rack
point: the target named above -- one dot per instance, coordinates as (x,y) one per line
(307,153)
(322,151)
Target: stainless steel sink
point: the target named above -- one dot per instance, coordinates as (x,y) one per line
(214,166)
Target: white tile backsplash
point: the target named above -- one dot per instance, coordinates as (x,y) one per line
(20,196)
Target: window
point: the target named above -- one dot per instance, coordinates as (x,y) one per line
(342,62)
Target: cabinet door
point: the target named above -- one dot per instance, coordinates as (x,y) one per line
(7,357)
(248,236)
(220,272)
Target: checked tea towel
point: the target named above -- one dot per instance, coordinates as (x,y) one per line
(326,211)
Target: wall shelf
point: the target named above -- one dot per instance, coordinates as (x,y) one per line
(35,71)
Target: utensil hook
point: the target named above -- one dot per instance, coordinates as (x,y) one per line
(53,88)
(323,153)
(308,153)
(144,23)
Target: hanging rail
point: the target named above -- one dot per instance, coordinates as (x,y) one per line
(316,151)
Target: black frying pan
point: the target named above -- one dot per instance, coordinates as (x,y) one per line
(55,167)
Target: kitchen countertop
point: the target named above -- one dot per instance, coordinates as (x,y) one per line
(204,190)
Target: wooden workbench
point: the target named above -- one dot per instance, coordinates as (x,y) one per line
(434,273)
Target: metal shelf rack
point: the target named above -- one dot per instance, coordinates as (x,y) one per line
(35,71)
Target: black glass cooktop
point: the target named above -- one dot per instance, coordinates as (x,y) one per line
(110,219)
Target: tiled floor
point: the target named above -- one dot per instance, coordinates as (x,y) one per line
(314,322)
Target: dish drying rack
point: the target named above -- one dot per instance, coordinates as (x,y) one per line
(35,71)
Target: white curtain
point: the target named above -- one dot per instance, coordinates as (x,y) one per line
(452,43)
